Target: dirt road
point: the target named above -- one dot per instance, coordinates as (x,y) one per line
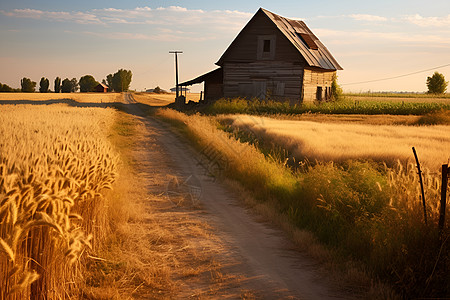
(261,261)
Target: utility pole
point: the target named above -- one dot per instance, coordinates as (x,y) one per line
(176,69)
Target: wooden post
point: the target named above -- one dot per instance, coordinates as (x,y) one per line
(421,185)
(445,175)
(176,71)
(201,94)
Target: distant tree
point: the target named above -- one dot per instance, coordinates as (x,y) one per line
(66,86)
(109,82)
(157,90)
(75,85)
(6,88)
(120,81)
(436,84)
(87,83)
(27,86)
(69,86)
(43,85)
(57,85)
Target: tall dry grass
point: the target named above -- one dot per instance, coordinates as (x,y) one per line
(363,210)
(340,142)
(55,163)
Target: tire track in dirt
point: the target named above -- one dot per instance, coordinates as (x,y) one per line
(260,256)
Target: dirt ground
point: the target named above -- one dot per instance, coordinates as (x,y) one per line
(223,250)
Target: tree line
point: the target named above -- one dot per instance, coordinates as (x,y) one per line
(117,82)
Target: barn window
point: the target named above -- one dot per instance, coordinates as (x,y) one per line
(266,47)
(319,93)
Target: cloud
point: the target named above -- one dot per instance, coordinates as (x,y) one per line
(369,18)
(77,17)
(171,16)
(358,37)
(161,36)
(428,21)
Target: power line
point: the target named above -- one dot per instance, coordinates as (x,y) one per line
(395,77)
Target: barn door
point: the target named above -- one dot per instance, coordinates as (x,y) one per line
(260,89)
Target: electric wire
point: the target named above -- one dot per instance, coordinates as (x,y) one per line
(395,77)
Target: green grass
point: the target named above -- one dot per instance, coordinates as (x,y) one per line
(398,95)
(257,107)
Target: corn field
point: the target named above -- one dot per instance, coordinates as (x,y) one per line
(55,165)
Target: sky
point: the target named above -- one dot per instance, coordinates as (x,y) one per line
(371,40)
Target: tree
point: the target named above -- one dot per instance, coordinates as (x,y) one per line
(436,84)
(66,86)
(87,83)
(27,86)
(109,82)
(120,81)
(157,90)
(75,85)
(43,85)
(5,88)
(69,86)
(57,85)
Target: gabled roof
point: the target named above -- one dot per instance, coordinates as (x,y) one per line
(302,38)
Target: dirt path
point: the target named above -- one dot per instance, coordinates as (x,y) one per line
(253,259)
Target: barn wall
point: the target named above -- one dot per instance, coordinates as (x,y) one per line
(213,90)
(275,80)
(312,80)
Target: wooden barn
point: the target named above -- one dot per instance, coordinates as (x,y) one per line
(101,88)
(272,57)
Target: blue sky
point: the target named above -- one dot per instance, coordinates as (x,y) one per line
(371,40)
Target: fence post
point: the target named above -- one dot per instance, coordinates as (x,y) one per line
(421,185)
(443,198)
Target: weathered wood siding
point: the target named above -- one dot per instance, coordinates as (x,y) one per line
(313,79)
(281,80)
(245,46)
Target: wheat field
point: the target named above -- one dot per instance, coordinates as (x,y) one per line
(342,141)
(55,165)
(79,97)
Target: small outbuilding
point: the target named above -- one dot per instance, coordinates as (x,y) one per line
(101,88)
(181,89)
(272,57)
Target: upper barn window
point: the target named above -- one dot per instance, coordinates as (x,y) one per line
(266,47)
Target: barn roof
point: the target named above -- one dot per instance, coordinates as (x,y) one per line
(302,38)
(102,85)
(214,73)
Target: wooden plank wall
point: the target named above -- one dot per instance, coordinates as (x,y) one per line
(273,73)
(314,78)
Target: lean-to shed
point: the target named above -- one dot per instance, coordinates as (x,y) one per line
(272,57)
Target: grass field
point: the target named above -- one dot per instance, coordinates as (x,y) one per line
(55,164)
(400,97)
(345,106)
(79,97)
(338,142)
(162,99)
(360,209)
